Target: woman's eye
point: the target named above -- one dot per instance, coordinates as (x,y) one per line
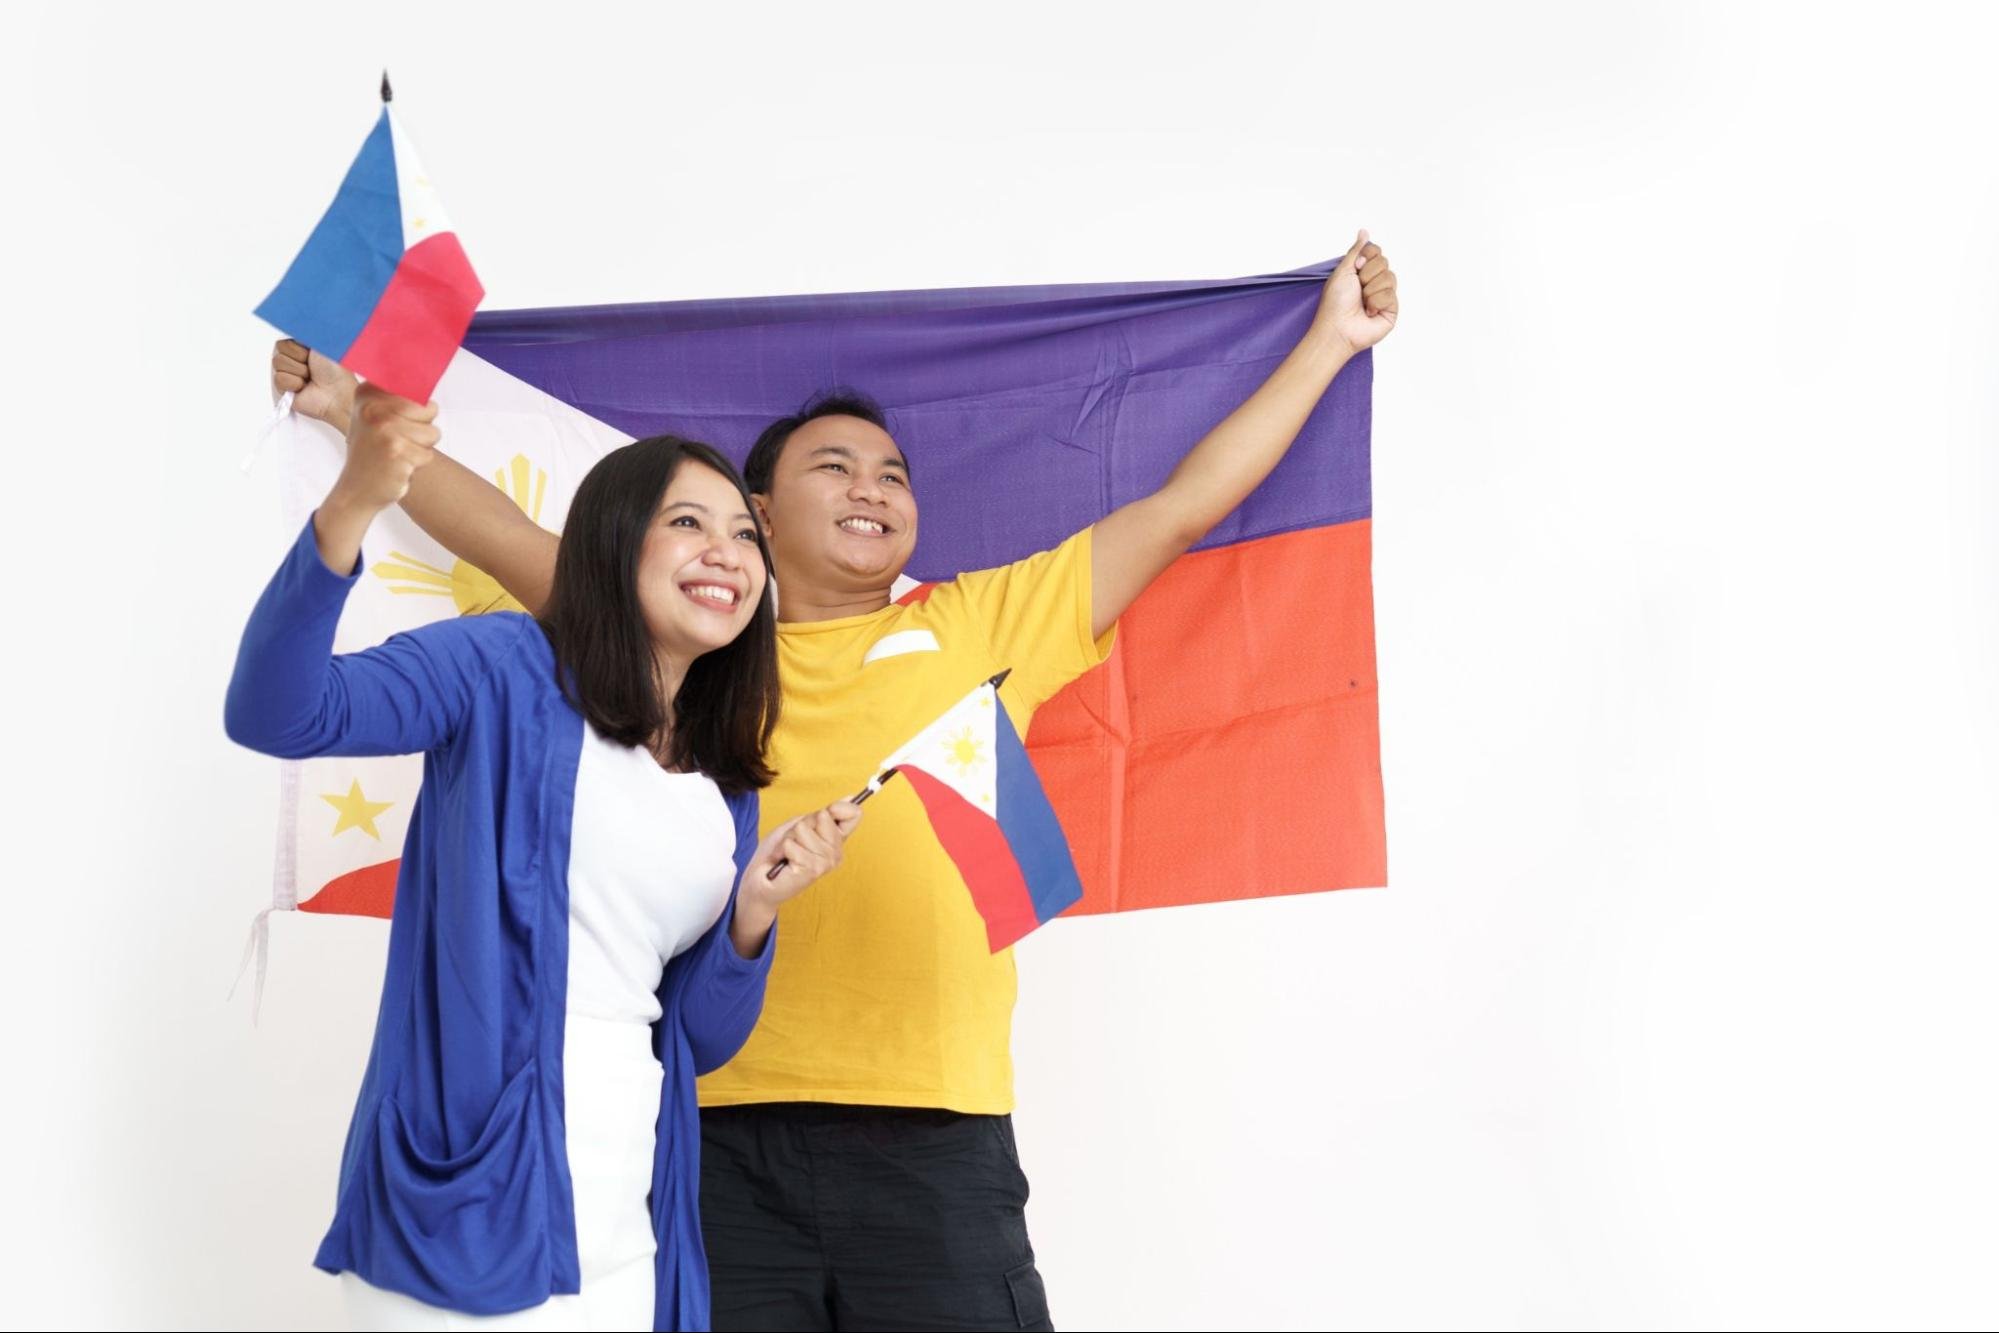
(686,521)
(747,535)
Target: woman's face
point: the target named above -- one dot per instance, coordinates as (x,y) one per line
(700,572)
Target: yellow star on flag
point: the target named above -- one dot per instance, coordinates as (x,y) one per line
(356,811)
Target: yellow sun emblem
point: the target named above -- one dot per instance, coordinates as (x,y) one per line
(965,750)
(472,589)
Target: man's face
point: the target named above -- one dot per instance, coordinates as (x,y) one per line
(840,512)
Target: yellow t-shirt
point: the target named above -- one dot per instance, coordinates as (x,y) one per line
(883,991)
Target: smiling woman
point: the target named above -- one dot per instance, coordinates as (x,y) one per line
(661,615)
(598,767)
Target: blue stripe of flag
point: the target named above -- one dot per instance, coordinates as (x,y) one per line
(333,286)
(1032,832)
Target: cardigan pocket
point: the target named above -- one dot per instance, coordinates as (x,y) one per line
(475,1215)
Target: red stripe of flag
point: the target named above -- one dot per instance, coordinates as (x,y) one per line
(369,891)
(418,324)
(972,839)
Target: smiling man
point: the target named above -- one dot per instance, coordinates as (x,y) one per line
(858,1161)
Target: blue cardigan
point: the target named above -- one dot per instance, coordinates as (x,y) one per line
(454,1186)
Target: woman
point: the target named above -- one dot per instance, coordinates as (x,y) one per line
(583,917)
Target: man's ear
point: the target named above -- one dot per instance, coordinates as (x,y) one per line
(762,503)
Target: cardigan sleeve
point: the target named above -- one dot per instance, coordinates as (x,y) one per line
(725,991)
(293,697)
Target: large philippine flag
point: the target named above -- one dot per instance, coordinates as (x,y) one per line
(1228,749)
(992,818)
(382,285)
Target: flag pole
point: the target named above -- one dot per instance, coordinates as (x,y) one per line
(857,798)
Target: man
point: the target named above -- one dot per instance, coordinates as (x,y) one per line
(858,1157)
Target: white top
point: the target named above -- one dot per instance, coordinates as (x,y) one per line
(651,862)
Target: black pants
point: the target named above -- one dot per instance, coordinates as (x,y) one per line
(865,1217)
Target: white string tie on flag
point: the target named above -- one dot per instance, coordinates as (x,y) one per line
(282,410)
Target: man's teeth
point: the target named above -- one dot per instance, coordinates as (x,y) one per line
(867,525)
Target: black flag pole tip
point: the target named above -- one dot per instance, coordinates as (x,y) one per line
(387,95)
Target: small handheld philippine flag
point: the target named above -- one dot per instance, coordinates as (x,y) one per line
(382,285)
(985,802)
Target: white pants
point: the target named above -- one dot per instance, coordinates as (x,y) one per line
(611,1088)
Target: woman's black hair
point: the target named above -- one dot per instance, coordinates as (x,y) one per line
(720,721)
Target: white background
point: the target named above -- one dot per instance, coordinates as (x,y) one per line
(1679,1012)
